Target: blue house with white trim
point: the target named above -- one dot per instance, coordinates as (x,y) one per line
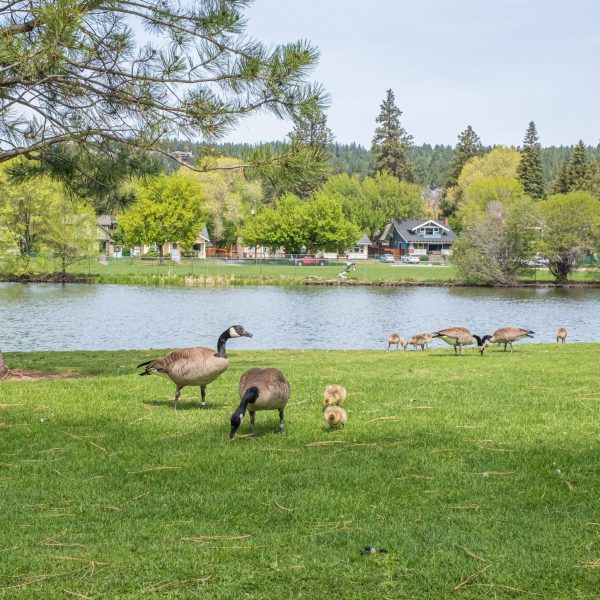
(417,237)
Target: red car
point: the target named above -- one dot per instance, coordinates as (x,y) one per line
(311,261)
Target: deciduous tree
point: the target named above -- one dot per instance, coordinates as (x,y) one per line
(168,208)
(569,229)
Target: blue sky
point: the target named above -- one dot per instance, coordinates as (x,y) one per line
(493,64)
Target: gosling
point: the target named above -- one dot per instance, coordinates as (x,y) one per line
(395,339)
(335,415)
(420,340)
(333,395)
(561,335)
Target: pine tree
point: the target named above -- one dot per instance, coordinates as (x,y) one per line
(578,167)
(391,142)
(591,183)
(468,146)
(561,183)
(530,171)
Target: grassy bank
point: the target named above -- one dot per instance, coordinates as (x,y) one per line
(456,465)
(215,272)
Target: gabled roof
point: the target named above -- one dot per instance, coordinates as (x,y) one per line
(430,222)
(405,231)
(364,241)
(204,234)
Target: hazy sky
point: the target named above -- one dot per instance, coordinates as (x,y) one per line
(493,64)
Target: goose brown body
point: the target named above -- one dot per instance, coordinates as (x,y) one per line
(561,335)
(394,340)
(506,336)
(457,337)
(194,366)
(420,340)
(261,389)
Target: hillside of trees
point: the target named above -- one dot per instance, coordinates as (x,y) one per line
(431,162)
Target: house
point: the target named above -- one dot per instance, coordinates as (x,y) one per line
(361,250)
(173,249)
(417,237)
(105,224)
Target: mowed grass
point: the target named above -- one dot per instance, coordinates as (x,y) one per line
(478,475)
(216,272)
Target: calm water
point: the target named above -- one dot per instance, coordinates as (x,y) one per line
(102,317)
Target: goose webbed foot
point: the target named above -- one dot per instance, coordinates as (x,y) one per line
(281,422)
(203,397)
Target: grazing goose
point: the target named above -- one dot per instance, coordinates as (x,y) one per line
(194,366)
(420,340)
(506,336)
(333,394)
(457,337)
(394,339)
(260,389)
(561,335)
(335,415)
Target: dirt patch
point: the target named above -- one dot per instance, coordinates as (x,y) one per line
(27,375)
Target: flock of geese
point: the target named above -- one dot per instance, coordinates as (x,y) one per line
(268,389)
(459,337)
(259,389)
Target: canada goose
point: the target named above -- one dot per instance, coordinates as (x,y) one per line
(506,336)
(335,415)
(260,389)
(333,394)
(421,340)
(561,335)
(394,339)
(194,366)
(457,337)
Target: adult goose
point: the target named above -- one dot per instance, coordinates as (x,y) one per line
(260,389)
(506,336)
(457,337)
(194,366)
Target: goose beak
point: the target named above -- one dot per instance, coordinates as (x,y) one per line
(247,334)
(232,434)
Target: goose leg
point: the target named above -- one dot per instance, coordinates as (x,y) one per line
(281,420)
(505,347)
(177,394)
(511,348)
(203,395)
(252,415)
(389,346)
(455,349)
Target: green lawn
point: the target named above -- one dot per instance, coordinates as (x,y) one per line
(221,272)
(455,465)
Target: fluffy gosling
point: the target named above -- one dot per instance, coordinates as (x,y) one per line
(333,395)
(395,339)
(335,415)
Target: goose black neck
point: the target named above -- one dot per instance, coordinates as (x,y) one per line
(221,344)
(479,340)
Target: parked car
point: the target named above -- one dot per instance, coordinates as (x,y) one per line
(311,261)
(388,258)
(410,259)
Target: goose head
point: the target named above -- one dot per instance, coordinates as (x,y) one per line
(238,331)
(485,342)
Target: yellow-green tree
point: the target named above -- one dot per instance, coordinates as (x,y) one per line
(168,208)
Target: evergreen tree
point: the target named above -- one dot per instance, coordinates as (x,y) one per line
(391,142)
(561,183)
(468,146)
(578,167)
(591,183)
(530,171)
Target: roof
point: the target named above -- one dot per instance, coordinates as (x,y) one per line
(364,241)
(405,230)
(105,220)
(204,233)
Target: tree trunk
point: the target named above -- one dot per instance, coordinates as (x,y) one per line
(161,257)
(3,365)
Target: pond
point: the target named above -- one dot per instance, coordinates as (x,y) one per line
(108,317)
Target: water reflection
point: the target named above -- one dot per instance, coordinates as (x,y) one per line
(52,317)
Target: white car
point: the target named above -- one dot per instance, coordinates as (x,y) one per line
(410,259)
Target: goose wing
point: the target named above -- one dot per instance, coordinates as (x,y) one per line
(273,388)
(452,332)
